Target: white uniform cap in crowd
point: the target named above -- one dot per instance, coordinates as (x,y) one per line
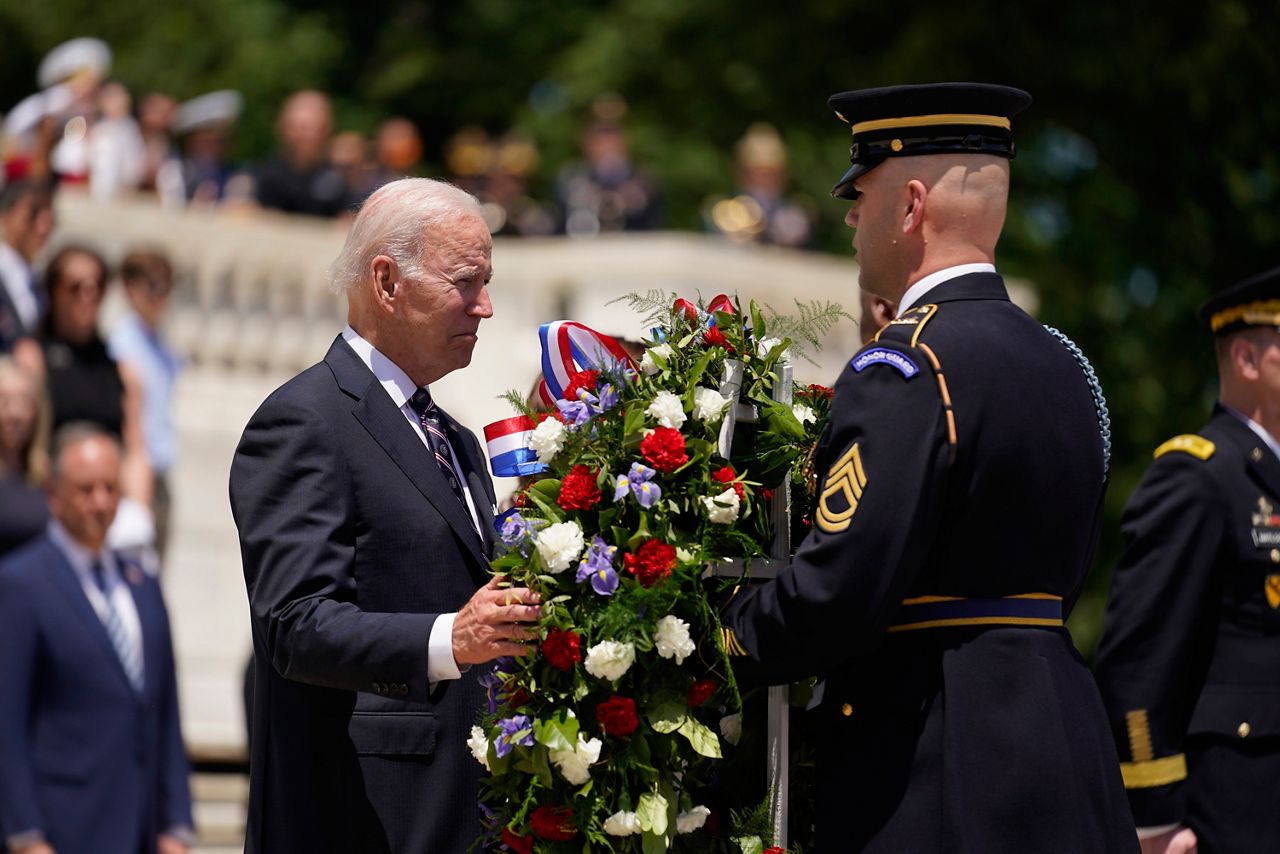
(28,112)
(69,58)
(213,108)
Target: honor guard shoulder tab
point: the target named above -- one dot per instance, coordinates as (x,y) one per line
(1188,443)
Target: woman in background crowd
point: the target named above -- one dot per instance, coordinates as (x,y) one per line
(83,381)
(22,457)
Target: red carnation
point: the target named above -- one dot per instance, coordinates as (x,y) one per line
(817,391)
(521,499)
(562,649)
(516,842)
(777,849)
(618,715)
(518,698)
(663,448)
(728,475)
(715,338)
(700,691)
(581,381)
(579,490)
(554,823)
(651,563)
(767,493)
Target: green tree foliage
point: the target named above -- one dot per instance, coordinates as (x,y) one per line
(1147,174)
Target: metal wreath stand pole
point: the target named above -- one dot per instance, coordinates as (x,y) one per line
(778,743)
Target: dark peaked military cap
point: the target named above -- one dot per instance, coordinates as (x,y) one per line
(931,118)
(1253,302)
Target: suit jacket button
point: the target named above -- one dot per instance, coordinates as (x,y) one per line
(404,690)
(1243,730)
(1256,455)
(846,710)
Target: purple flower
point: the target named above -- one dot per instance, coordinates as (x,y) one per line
(608,397)
(598,567)
(577,412)
(515,529)
(491,682)
(639,481)
(517,729)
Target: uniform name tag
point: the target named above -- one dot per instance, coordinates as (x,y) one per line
(884,356)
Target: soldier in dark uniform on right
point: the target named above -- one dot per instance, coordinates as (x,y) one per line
(1189,663)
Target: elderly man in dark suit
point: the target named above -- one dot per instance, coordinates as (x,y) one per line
(91,756)
(365,516)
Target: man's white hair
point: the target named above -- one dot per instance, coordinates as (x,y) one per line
(397,221)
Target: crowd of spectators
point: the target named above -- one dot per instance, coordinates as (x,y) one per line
(84,129)
(57,367)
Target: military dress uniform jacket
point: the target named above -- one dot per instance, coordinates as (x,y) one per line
(1189,663)
(963,465)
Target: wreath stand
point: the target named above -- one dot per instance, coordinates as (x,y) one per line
(778,737)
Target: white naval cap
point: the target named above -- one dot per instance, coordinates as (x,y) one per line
(71,57)
(212,108)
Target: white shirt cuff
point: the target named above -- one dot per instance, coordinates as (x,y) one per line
(440,663)
(1149,832)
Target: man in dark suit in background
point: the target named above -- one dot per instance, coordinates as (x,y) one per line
(1189,662)
(365,518)
(91,756)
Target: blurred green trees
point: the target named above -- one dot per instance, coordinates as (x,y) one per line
(1148,171)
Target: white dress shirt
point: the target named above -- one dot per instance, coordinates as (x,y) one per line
(917,291)
(1258,429)
(16,278)
(82,560)
(396,383)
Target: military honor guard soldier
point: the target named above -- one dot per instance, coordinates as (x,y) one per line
(1189,663)
(962,481)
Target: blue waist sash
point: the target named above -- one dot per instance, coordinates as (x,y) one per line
(935,612)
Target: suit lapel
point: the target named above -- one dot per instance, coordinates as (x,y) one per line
(66,580)
(477,475)
(392,431)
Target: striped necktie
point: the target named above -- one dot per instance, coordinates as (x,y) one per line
(129,653)
(429,417)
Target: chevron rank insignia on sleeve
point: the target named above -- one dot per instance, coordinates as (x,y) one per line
(732,646)
(841,491)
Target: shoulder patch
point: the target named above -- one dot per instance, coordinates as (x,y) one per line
(884,356)
(1187,443)
(909,324)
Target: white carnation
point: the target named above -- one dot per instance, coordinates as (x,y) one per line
(559,545)
(731,728)
(547,439)
(622,823)
(688,822)
(803,413)
(723,509)
(647,362)
(708,404)
(574,764)
(667,409)
(766,345)
(608,660)
(479,746)
(672,639)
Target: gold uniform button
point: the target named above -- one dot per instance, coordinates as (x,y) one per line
(846,710)
(1243,730)
(1275,555)
(1256,455)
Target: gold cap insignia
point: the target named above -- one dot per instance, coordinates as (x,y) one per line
(846,480)
(1272,589)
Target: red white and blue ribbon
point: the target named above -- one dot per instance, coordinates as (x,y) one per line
(569,347)
(509,451)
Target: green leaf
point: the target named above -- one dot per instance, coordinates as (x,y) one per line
(668,716)
(750,844)
(758,328)
(542,765)
(701,738)
(633,423)
(544,499)
(652,812)
(650,844)
(558,733)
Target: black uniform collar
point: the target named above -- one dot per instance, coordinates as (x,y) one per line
(1261,461)
(971,286)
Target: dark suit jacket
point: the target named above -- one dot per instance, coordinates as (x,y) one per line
(963,458)
(353,544)
(83,757)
